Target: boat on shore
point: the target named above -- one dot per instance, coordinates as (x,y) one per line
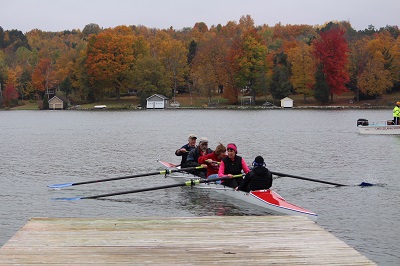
(385,127)
(267,199)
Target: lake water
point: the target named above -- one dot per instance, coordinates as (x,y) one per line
(39,148)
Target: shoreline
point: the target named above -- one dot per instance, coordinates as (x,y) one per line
(315,107)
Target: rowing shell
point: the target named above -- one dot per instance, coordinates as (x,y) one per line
(267,199)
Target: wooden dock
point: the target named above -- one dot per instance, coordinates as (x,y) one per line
(235,240)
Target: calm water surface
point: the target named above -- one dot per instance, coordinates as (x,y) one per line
(39,148)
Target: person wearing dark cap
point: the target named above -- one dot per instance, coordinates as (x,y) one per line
(185,149)
(232,165)
(258,178)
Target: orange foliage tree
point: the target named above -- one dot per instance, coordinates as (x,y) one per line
(110,58)
(43,77)
(208,67)
(173,56)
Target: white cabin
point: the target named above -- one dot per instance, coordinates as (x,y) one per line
(287,102)
(157,101)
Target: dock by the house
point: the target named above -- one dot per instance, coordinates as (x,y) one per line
(235,240)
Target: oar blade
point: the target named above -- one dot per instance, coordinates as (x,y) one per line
(69,199)
(366,184)
(60,185)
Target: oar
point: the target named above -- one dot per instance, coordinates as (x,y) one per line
(191,182)
(363,184)
(167,171)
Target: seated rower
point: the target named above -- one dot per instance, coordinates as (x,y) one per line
(185,149)
(258,178)
(232,165)
(212,160)
(194,155)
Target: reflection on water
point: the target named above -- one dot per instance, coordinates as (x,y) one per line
(48,147)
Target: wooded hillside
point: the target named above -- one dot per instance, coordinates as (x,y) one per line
(228,61)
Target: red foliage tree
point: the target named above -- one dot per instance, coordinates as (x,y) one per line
(43,77)
(332,51)
(10,95)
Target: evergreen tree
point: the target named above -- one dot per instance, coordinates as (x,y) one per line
(192,51)
(280,85)
(321,90)
(66,86)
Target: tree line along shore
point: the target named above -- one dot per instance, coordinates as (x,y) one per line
(324,65)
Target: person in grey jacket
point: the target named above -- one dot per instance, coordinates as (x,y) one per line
(194,155)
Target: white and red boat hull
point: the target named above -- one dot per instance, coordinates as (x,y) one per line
(267,199)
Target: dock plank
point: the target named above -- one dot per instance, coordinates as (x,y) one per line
(255,240)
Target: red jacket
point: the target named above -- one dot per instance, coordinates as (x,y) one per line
(212,168)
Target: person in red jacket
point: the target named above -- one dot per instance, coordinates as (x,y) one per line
(212,160)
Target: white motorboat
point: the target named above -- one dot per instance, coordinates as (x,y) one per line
(384,127)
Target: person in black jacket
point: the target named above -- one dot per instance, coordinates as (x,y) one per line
(185,149)
(258,178)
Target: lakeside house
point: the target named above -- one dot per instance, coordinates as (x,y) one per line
(57,103)
(157,101)
(286,102)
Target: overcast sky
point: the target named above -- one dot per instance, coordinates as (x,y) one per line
(59,15)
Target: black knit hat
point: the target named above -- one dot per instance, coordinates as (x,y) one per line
(259,161)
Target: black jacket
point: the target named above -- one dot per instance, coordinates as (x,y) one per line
(258,178)
(184,155)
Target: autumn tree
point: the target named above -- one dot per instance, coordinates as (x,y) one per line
(375,79)
(3,68)
(357,63)
(208,68)
(250,60)
(303,69)
(148,76)
(373,65)
(10,93)
(43,77)
(173,56)
(13,39)
(331,51)
(81,87)
(110,58)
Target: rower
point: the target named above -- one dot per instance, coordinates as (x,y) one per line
(258,178)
